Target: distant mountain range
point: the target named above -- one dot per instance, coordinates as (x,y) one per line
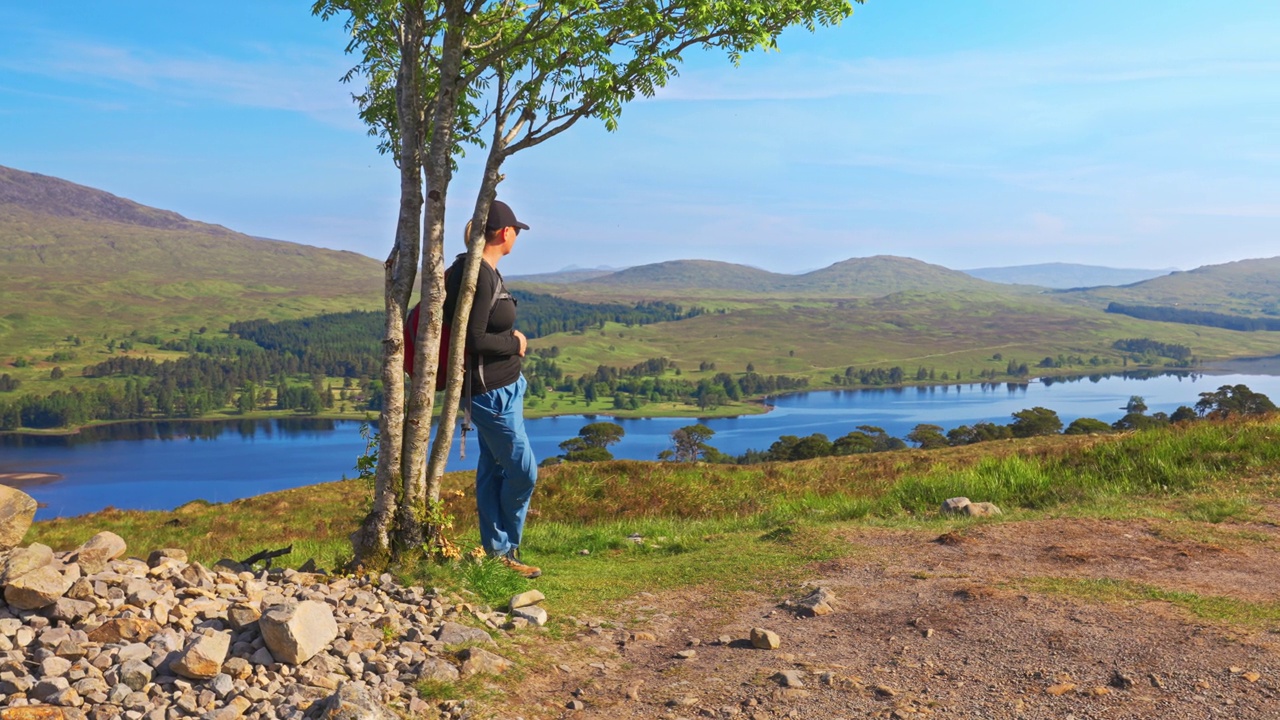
(1244,287)
(1062,276)
(857,277)
(75,260)
(872,276)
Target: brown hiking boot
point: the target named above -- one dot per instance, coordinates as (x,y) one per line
(528,571)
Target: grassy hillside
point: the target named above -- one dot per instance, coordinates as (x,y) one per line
(1246,287)
(79,261)
(967,332)
(854,278)
(1065,275)
(706,514)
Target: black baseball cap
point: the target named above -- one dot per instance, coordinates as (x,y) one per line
(501,216)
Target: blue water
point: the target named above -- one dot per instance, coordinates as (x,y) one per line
(159,466)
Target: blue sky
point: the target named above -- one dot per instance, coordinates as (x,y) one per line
(1140,133)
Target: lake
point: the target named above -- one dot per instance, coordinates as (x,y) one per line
(161,465)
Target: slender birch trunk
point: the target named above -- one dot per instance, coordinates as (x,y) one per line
(410,533)
(467,290)
(372,541)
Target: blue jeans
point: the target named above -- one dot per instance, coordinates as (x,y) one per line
(506,471)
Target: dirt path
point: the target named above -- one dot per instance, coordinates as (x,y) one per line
(924,628)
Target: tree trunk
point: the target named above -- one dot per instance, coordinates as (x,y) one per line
(372,542)
(467,290)
(410,532)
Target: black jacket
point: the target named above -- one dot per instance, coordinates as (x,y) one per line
(495,351)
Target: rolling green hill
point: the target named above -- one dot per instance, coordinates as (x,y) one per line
(1065,276)
(80,261)
(1249,288)
(854,278)
(958,333)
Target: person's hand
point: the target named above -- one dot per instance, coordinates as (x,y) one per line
(524,342)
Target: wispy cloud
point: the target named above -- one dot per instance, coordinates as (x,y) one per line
(791,78)
(292,80)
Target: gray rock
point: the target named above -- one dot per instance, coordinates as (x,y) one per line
(533,614)
(524,599)
(789,678)
(232,710)
(54,666)
(982,509)
(954,505)
(23,560)
(295,631)
(69,610)
(438,670)
(815,603)
(37,589)
(765,639)
(481,661)
(158,557)
(17,510)
(134,674)
(241,616)
(97,551)
(451,633)
(203,657)
(354,701)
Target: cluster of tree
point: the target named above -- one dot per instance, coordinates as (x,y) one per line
(690,443)
(161,397)
(896,375)
(1164,313)
(542,315)
(9,384)
(632,388)
(1140,347)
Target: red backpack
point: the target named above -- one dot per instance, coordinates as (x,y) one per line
(411,337)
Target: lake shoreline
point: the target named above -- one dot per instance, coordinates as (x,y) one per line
(1269,365)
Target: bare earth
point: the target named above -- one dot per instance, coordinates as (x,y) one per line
(924,628)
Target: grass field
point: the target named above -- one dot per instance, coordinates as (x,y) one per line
(697,518)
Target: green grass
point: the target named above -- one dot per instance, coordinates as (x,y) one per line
(748,527)
(1207,607)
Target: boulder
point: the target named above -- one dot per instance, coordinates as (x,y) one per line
(954,505)
(438,669)
(97,551)
(354,701)
(532,613)
(295,631)
(124,630)
(480,661)
(242,615)
(525,599)
(39,588)
(158,557)
(203,657)
(815,603)
(17,510)
(23,560)
(765,639)
(452,633)
(982,509)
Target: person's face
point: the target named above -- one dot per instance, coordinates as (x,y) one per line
(509,238)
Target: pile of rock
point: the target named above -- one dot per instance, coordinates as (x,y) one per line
(90,633)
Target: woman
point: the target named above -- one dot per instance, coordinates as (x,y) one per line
(506,470)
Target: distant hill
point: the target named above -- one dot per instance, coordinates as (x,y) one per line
(564,277)
(694,274)
(858,277)
(1062,276)
(1248,288)
(75,260)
